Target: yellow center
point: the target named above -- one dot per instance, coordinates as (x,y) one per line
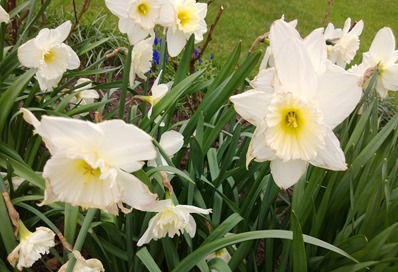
(291,120)
(183,16)
(143,8)
(88,171)
(49,56)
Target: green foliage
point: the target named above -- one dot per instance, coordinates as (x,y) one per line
(329,221)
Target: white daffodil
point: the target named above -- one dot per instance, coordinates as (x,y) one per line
(141,59)
(137,18)
(343,44)
(384,57)
(50,55)
(171,220)
(91,163)
(294,121)
(4,17)
(82,265)
(158,92)
(31,246)
(84,95)
(171,142)
(182,19)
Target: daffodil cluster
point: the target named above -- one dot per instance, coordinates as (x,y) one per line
(302,93)
(180,18)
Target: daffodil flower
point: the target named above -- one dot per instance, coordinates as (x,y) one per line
(343,44)
(4,17)
(182,19)
(141,59)
(297,106)
(171,220)
(91,163)
(158,92)
(137,18)
(383,55)
(171,142)
(31,246)
(90,265)
(50,55)
(84,95)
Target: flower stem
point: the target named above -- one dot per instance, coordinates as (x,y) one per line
(81,237)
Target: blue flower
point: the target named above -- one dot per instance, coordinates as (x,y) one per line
(156,57)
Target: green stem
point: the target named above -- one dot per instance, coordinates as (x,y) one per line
(125,83)
(81,237)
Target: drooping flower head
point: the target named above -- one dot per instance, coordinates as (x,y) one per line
(84,95)
(383,56)
(182,19)
(171,142)
(141,57)
(171,220)
(50,55)
(137,18)
(82,265)
(4,17)
(31,246)
(296,104)
(91,163)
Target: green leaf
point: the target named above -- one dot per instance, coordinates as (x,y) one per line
(298,252)
(147,260)
(9,97)
(199,254)
(184,63)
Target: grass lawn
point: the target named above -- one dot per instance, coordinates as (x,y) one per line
(244,20)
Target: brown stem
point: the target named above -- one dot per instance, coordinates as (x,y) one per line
(326,18)
(208,39)
(85,7)
(166,182)
(259,39)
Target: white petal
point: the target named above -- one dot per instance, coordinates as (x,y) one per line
(295,69)
(135,193)
(29,117)
(192,230)
(258,148)
(252,105)
(286,174)
(29,55)
(389,77)
(134,32)
(383,45)
(89,94)
(175,42)
(192,209)
(73,61)
(148,234)
(63,31)
(168,14)
(66,135)
(331,157)
(171,141)
(264,80)
(69,181)
(338,96)
(47,85)
(58,63)
(357,29)
(280,32)
(125,145)
(118,7)
(316,47)
(4,17)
